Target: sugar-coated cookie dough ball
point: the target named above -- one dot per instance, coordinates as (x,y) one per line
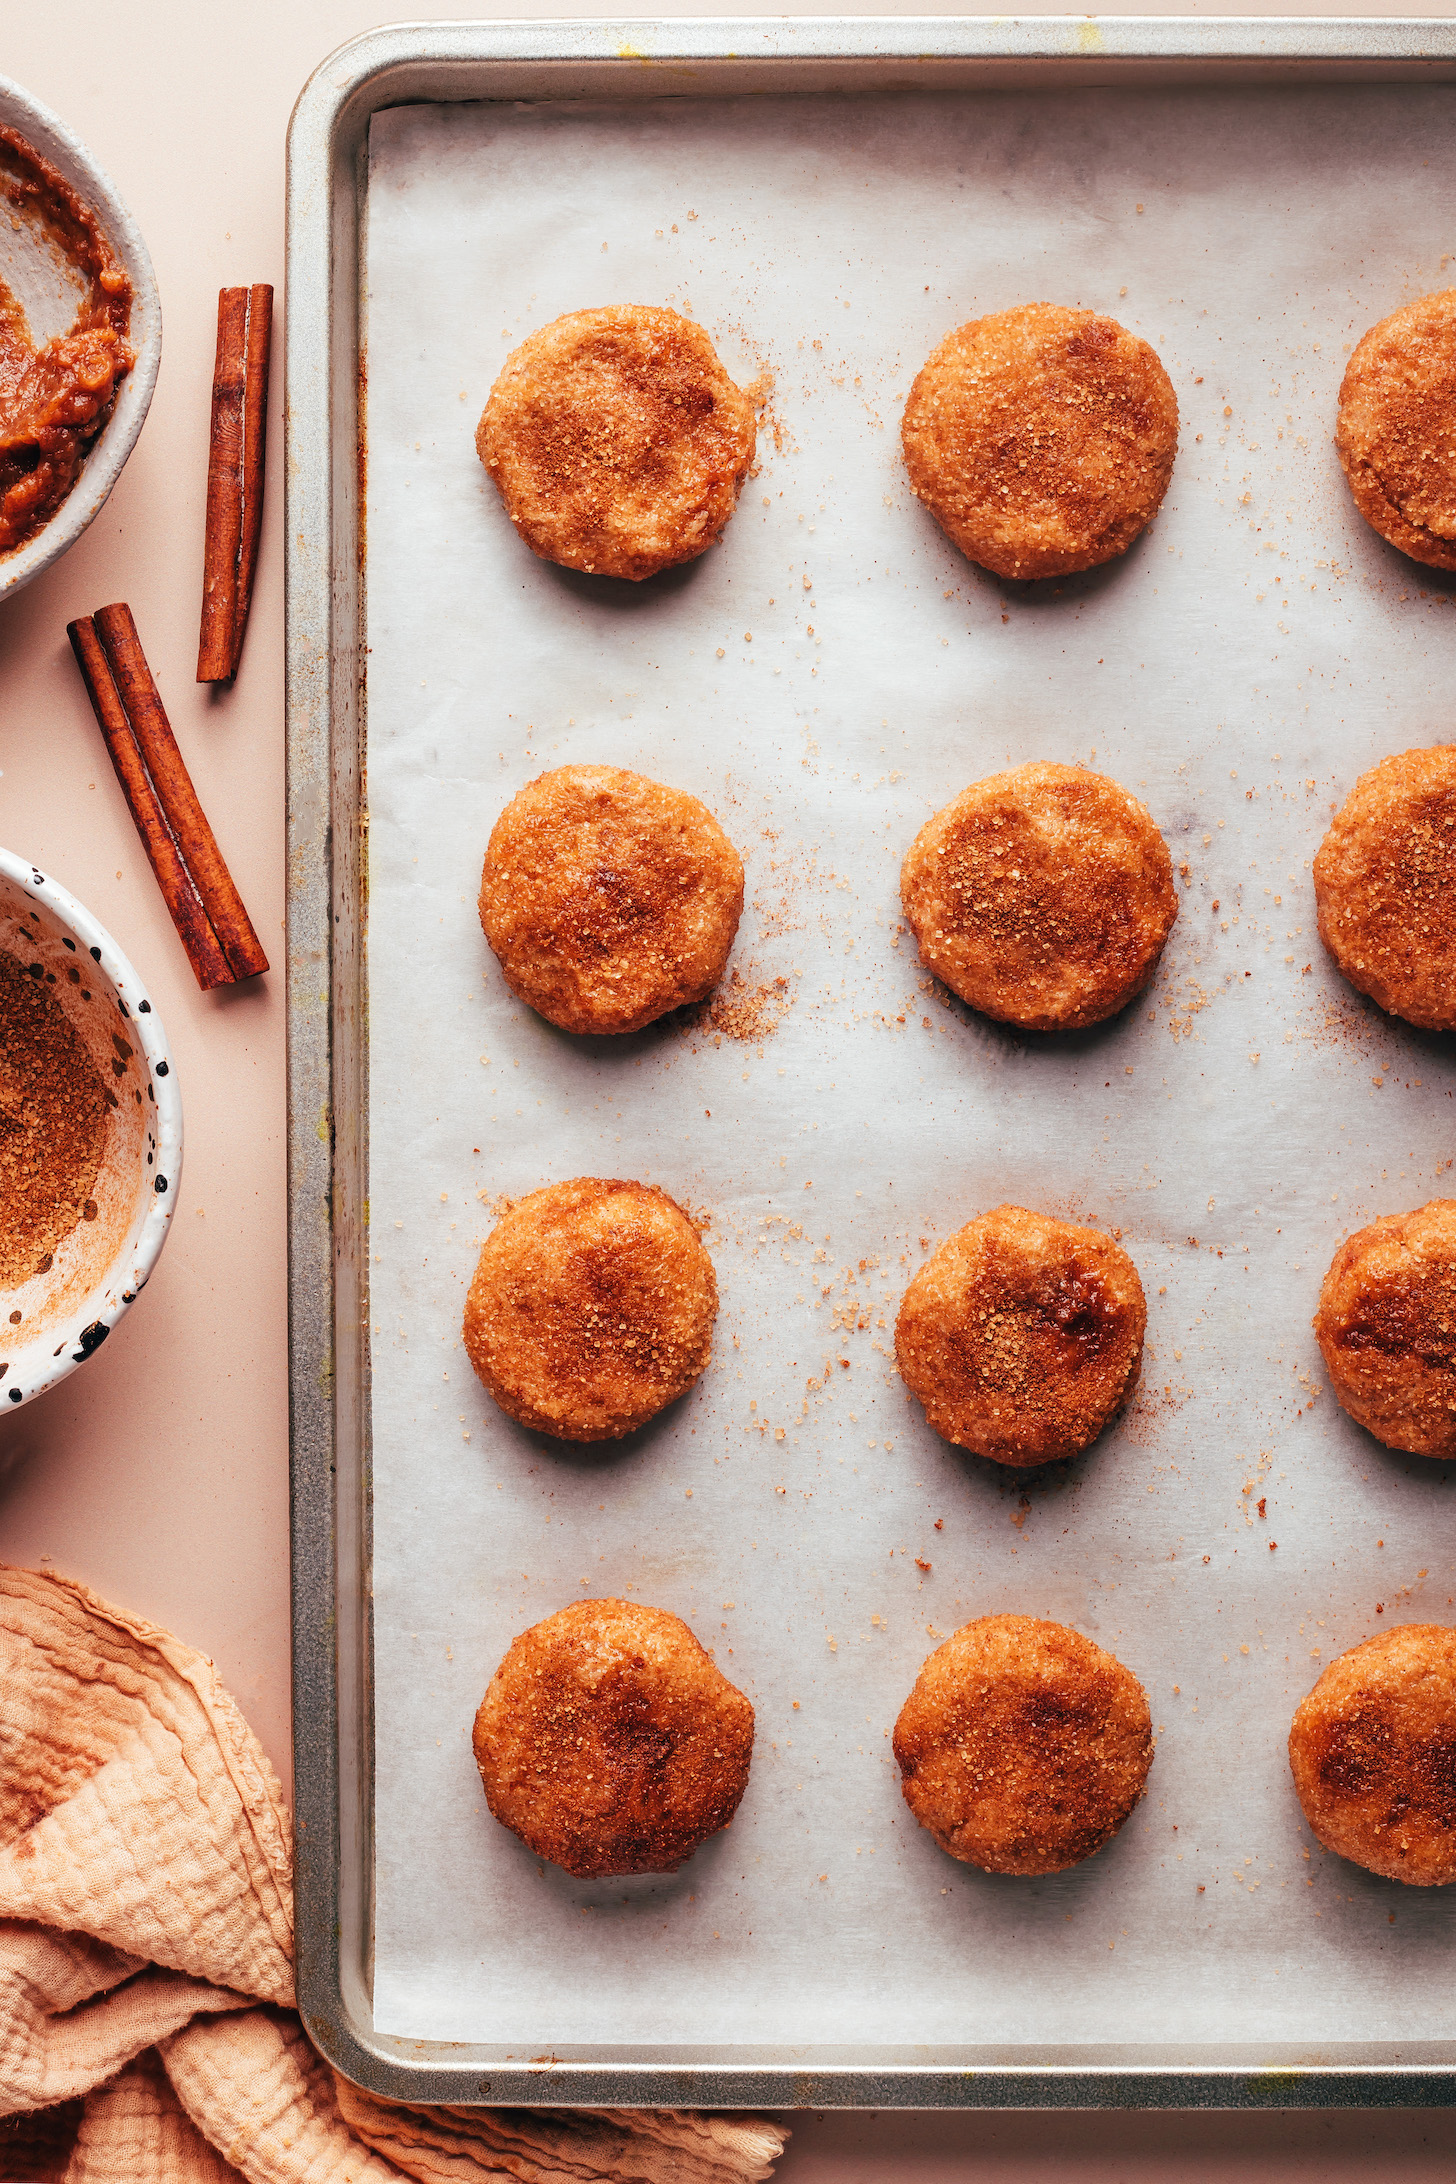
(1022,1336)
(1394,432)
(1385,886)
(1043,896)
(609,898)
(1387,1327)
(617,440)
(609,1742)
(1373,1754)
(592,1308)
(1041,439)
(1023,1747)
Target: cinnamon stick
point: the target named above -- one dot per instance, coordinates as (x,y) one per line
(196,885)
(234,476)
(223,537)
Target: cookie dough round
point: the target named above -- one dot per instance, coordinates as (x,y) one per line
(1385,886)
(1373,1755)
(617,440)
(1023,1336)
(1394,432)
(609,1742)
(1043,896)
(1387,1327)
(1023,1747)
(609,898)
(592,1308)
(1041,439)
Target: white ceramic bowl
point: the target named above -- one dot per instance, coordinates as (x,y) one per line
(61,1316)
(37,281)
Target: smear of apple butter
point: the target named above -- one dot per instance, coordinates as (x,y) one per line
(55,397)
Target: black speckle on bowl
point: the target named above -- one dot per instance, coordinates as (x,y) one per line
(15,1395)
(91,1338)
(160,1184)
(163,1069)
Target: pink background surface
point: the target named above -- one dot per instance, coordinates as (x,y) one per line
(159,1473)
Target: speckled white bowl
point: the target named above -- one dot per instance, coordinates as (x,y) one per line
(64,1314)
(118,436)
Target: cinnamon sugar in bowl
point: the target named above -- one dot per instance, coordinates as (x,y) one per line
(90,1133)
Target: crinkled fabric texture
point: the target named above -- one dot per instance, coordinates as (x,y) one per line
(146,1953)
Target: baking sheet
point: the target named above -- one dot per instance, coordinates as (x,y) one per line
(1254,652)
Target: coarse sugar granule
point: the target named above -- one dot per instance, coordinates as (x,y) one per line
(52,1125)
(748,1013)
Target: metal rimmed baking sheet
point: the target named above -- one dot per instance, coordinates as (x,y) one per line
(1256,1093)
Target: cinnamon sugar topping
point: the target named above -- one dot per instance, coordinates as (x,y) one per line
(52,1124)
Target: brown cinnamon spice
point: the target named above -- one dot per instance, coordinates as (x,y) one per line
(234,476)
(206,908)
(748,1013)
(52,1123)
